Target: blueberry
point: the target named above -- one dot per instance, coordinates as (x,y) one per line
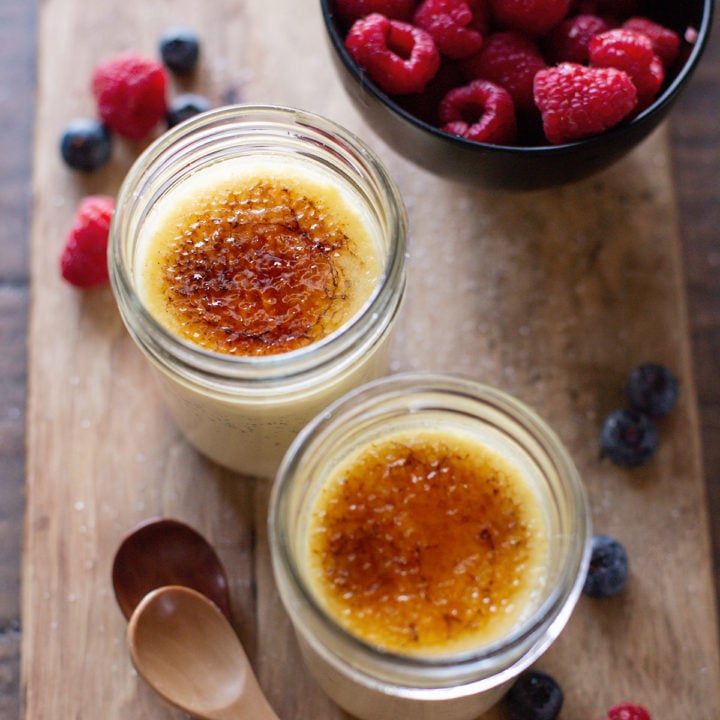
(628,437)
(652,388)
(534,695)
(179,50)
(86,145)
(185,106)
(608,571)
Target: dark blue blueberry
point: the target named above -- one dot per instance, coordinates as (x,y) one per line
(628,437)
(86,145)
(534,695)
(185,106)
(180,50)
(652,388)
(608,571)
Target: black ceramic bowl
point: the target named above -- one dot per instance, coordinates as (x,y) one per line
(518,167)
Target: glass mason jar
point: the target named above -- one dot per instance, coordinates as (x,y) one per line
(243,411)
(370,681)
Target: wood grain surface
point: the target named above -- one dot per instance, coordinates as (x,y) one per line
(552,296)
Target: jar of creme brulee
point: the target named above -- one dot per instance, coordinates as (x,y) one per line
(257,256)
(429,540)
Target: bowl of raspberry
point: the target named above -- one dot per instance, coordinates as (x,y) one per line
(515,94)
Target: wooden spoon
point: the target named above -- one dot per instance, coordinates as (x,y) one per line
(160,552)
(187,651)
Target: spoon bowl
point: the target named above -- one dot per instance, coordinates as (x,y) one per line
(160,552)
(187,651)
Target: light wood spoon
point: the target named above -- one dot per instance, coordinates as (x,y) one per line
(183,646)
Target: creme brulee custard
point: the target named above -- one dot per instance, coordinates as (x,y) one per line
(429,539)
(427,543)
(258,258)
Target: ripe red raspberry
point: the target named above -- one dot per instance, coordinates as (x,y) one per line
(351,10)
(621,46)
(628,711)
(129,91)
(511,60)
(83,261)
(482,20)
(649,83)
(632,52)
(424,105)
(480,111)
(614,8)
(452,25)
(665,42)
(568,42)
(533,17)
(399,57)
(577,102)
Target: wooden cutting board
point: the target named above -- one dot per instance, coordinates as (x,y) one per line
(553,296)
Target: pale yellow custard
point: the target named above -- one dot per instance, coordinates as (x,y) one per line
(255,258)
(428,536)
(427,543)
(258,258)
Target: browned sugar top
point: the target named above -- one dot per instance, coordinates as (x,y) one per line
(427,544)
(256,268)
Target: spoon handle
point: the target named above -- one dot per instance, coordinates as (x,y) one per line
(253,705)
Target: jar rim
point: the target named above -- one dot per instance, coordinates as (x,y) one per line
(282,123)
(534,634)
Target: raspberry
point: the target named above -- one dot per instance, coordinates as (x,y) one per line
(424,105)
(452,25)
(648,84)
(399,57)
(480,111)
(621,46)
(482,21)
(577,102)
(511,60)
(628,711)
(665,42)
(615,8)
(351,10)
(533,17)
(632,52)
(83,262)
(130,94)
(568,42)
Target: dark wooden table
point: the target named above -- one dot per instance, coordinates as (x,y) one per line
(696,150)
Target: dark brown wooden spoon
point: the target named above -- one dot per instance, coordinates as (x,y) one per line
(163,551)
